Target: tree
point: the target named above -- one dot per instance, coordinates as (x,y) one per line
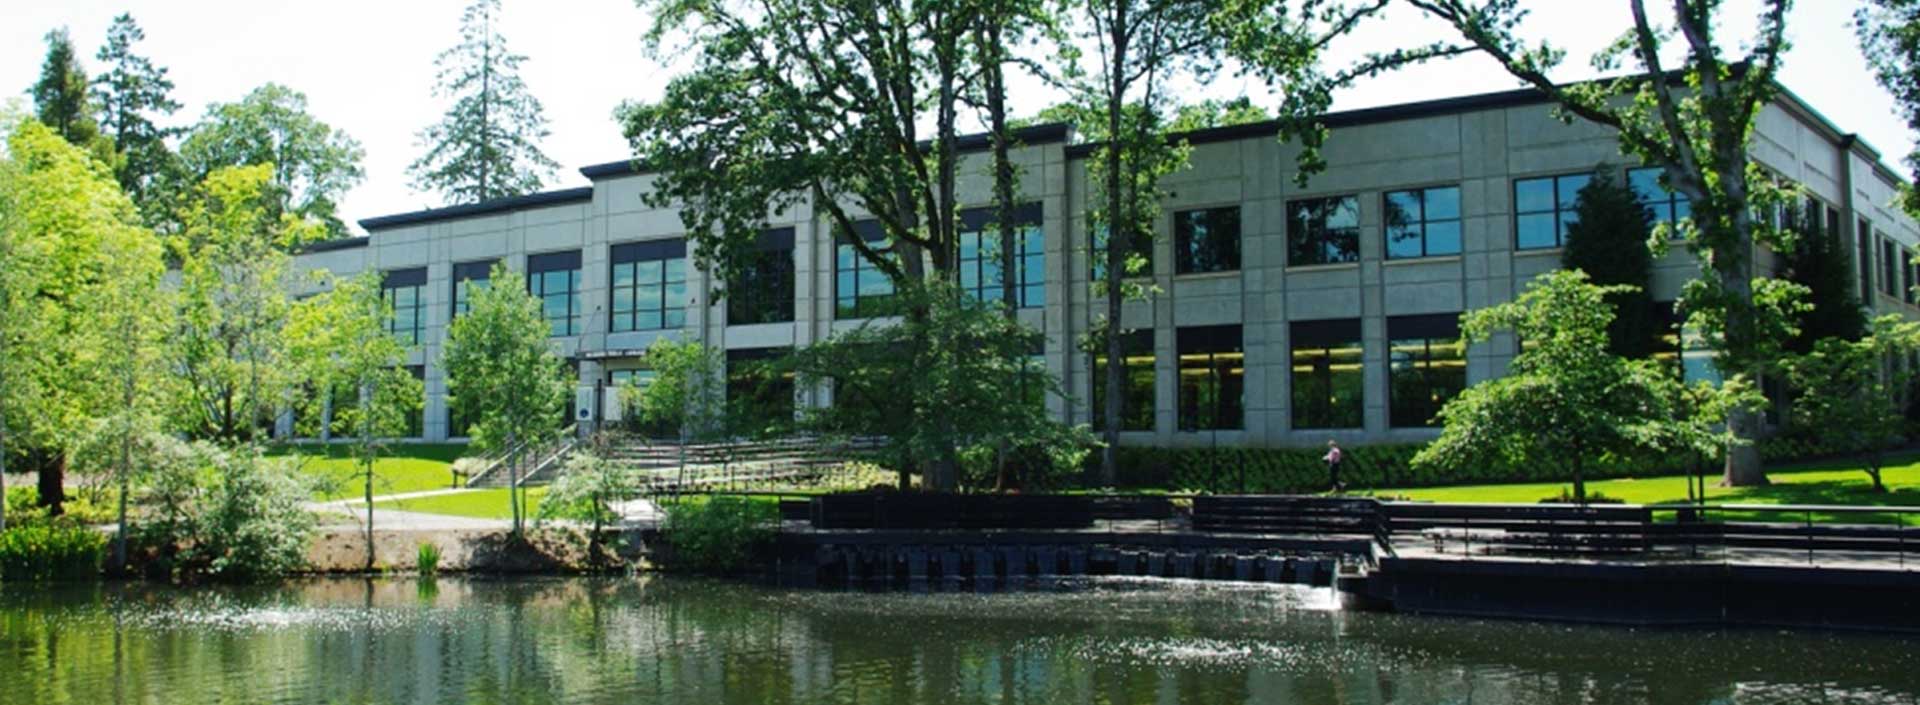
(487,144)
(502,372)
(1848,396)
(1889,33)
(129,95)
(311,163)
(1212,113)
(1566,400)
(586,492)
(1609,243)
(1819,262)
(60,96)
(342,338)
(73,248)
(229,342)
(981,372)
(686,392)
(1693,123)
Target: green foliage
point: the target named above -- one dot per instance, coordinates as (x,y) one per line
(1566,400)
(965,358)
(1592,498)
(130,95)
(587,490)
(1217,113)
(1890,37)
(61,101)
(1846,394)
(486,146)
(50,551)
(686,391)
(227,516)
(718,534)
(427,558)
(1609,243)
(311,165)
(1819,262)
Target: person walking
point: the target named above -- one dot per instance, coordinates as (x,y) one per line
(1333,465)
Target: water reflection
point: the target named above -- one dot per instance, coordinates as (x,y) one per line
(693,641)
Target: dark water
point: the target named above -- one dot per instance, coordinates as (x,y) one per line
(688,641)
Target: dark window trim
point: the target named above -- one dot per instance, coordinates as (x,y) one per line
(1426,248)
(1211,341)
(463,272)
(1183,233)
(545,263)
(1426,328)
(1559,238)
(1136,342)
(1325,336)
(869,231)
(633,253)
(772,244)
(1664,209)
(1025,216)
(1294,228)
(391,282)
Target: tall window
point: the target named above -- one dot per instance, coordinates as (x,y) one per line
(554,279)
(1668,206)
(467,277)
(764,293)
(1206,240)
(1136,383)
(761,394)
(1323,231)
(861,290)
(401,288)
(1423,222)
(649,285)
(1889,263)
(1864,255)
(1328,380)
(1212,378)
(1139,247)
(985,258)
(1544,207)
(1426,367)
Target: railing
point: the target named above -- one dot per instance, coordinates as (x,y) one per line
(546,452)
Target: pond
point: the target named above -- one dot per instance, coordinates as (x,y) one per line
(661,640)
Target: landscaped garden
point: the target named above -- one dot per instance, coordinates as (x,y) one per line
(401,468)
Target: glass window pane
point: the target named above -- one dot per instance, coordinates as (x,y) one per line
(1443,238)
(1533,195)
(1403,242)
(676,294)
(622,299)
(1536,231)
(1403,208)
(623,274)
(1569,187)
(1345,213)
(1442,203)
(1646,184)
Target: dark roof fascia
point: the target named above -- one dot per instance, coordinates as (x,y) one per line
(344,243)
(532,200)
(1043,133)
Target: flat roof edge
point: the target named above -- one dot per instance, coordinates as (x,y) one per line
(544,198)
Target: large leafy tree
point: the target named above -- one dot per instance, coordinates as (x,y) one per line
(341,339)
(1890,34)
(73,254)
(1567,401)
(488,143)
(130,95)
(685,394)
(502,372)
(229,344)
(311,164)
(1847,395)
(1693,122)
(1609,243)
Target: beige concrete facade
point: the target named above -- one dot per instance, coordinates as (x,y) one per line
(1481,144)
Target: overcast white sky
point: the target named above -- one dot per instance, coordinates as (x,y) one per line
(367,67)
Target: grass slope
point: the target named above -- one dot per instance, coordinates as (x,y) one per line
(411,467)
(480,504)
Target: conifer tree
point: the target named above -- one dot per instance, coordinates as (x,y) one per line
(130,94)
(1818,261)
(487,144)
(60,97)
(1609,243)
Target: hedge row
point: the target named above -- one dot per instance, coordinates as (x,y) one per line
(50,551)
(1298,470)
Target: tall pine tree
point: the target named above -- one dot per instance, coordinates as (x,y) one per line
(487,144)
(60,97)
(130,94)
(1609,243)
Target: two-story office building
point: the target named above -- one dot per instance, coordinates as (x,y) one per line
(1283,315)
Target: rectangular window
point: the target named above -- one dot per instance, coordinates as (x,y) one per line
(468,276)
(1426,367)
(1667,206)
(764,293)
(1139,248)
(984,259)
(861,290)
(1323,231)
(1328,379)
(1544,207)
(1136,384)
(554,279)
(1213,372)
(1206,240)
(649,285)
(1864,256)
(757,391)
(1423,222)
(402,289)
(417,422)
(1889,263)
(1906,282)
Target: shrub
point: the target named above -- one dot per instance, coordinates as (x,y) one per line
(718,535)
(1301,470)
(50,551)
(427,561)
(215,514)
(1566,497)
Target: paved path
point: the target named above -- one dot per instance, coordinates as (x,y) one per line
(637,513)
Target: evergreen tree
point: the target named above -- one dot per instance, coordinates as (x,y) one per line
(1818,261)
(1609,243)
(60,97)
(129,94)
(487,145)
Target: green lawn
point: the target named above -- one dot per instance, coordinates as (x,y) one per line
(1840,483)
(411,467)
(479,504)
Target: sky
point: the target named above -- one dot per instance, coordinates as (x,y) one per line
(368,67)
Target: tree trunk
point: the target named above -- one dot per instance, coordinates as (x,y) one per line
(1743,467)
(53,483)
(1117,242)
